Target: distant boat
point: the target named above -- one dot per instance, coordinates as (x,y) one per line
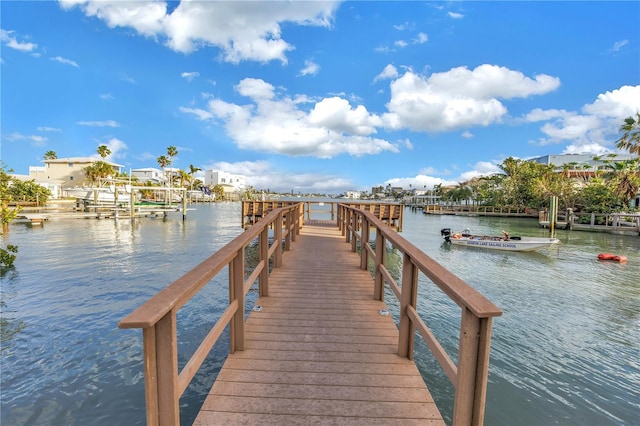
(503,242)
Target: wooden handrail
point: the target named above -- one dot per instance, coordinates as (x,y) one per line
(470,375)
(164,384)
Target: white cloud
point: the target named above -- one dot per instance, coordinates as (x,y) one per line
(618,45)
(310,68)
(48,129)
(263,176)
(425,178)
(241,30)
(108,123)
(404,26)
(618,104)
(401,43)
(189,76)
(65,61)
(107,96)
(330,127)
(459,98)
(387,73)
(126,78)
(421,38)
(467,134)
(455,15)
(12,42)
(589,148)
(595,128)
(338,115)
(200,113)
(36,139)
(117,148)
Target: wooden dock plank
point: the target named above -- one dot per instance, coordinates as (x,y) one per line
(319,352)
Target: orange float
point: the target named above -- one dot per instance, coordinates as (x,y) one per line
(613,257)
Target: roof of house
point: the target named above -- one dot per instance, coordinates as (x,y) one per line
(87,160)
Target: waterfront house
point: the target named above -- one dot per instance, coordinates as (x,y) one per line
(65,173)
(149,174)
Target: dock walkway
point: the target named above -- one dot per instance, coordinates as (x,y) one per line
(319,351)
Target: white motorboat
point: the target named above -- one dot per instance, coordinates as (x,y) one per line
(102,195)
(502,242)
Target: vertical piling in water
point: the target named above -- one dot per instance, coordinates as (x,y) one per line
(184,205)
(553,215)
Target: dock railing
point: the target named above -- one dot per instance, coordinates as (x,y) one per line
(164,384)
(469,376)
(390,213)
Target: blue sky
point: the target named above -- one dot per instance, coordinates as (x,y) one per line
(317,96)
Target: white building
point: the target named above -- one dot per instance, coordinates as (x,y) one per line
(149,174)
(229,181)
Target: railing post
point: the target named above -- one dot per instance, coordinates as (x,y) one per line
(293,220)
(236,292)
(354,230)
(381,253)
(364,240)
(463,407)
(167,370)
(263,280)
(409,296)
(297,224)
(287,238)
(150,375)
(278,239)
(347,223)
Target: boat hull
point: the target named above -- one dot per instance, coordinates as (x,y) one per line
(523,244)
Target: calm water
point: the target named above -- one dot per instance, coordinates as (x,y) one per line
(566,350)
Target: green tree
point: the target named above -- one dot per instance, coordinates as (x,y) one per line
(7,214)
(29,191)
(98,171)
(192,170)
(597,197)
(218,191)
(104,151)
(630,139)
(625,180)
(163,162)
(172,151)
(50,155)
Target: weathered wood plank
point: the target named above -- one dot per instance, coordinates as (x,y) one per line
(319,352)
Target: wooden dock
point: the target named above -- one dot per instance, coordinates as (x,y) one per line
(318,346)
(319,351)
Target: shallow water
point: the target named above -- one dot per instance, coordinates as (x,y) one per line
(565,351)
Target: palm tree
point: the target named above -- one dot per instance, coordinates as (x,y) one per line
(50,155)
(626,180)
(163,162)
(98,170)
(192,170)
(630,140)
(104,151)
(172,151)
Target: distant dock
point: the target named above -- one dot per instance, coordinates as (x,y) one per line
(465,210)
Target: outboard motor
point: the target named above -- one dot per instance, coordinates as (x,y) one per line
(446,233)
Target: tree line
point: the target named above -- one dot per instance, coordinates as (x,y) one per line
(609,185)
